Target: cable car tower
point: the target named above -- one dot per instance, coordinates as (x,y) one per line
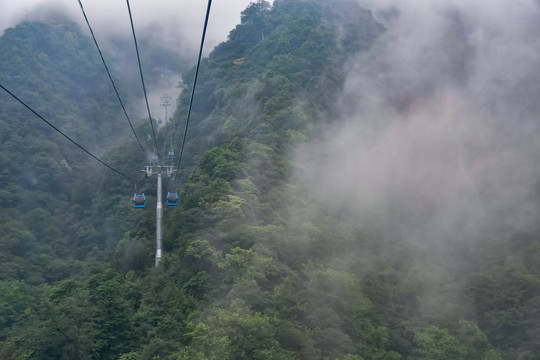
(165,102)
(158,169)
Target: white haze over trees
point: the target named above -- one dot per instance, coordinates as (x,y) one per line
(175,23)
(442,115)
(442,124)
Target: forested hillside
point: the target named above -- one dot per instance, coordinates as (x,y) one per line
(309,226)
(45,195)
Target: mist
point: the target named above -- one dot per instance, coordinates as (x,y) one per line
(172,25)
(441,131)
(176,25)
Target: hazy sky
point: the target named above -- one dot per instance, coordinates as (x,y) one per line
(179,20)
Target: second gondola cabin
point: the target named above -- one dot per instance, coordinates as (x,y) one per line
(172,198)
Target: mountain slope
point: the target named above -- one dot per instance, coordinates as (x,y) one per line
(45,194)
(260,261)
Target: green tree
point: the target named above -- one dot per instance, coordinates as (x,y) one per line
(236,332)
(475,342)
(437,344)
(112,314)
(15,301)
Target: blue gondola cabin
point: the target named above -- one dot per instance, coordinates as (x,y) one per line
(172,198)
(139,200)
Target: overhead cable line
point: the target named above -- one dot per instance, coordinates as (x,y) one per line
(67,137)
(110,77)
(142,77)
(194,85)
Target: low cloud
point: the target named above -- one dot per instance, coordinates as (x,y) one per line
(441,120)
(172,25)
(168,22)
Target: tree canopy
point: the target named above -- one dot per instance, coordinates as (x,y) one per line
(249,269)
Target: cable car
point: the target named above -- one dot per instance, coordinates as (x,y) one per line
(171,154)
(172,198)
(139,200)
(155,159)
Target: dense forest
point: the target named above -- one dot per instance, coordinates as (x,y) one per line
(339,198)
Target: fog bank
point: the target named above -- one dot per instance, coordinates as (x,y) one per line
(441,127)
(176,24)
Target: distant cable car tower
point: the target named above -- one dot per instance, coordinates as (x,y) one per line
(166,103)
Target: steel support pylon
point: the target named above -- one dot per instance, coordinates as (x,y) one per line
(159,221)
